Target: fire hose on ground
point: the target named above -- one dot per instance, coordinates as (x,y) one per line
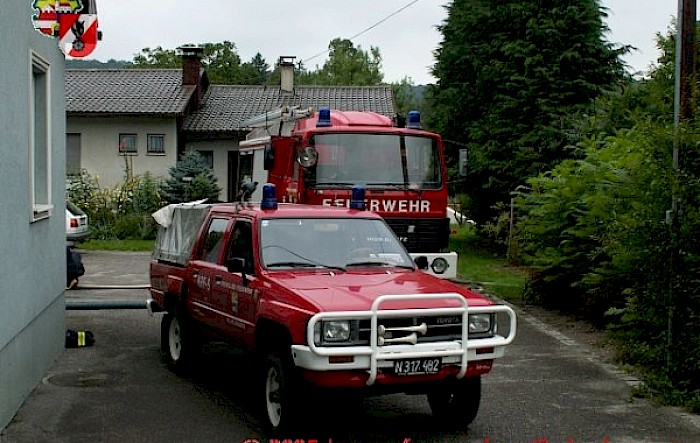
(100,305)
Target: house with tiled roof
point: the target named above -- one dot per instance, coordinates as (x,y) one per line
(126,122)
(133,121)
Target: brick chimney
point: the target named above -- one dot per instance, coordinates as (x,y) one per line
(191,64)
(286,64)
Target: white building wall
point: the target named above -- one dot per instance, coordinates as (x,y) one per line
(99,139)
(259,173)
(220,149)
(33,262)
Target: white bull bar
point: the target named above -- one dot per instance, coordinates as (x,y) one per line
(376,352)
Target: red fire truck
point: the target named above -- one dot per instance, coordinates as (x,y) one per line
(317,157)
(327,301)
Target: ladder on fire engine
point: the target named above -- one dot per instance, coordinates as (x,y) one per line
(278,122)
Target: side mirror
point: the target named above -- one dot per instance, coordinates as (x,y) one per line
(268,157)
(463,162)
(307,157)
(235,264)
(422,262)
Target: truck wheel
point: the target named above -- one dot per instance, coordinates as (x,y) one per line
(279,394)
(176,342)
(456,403)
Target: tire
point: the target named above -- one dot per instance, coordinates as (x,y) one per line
(279,391)
(177,342)
(456,403)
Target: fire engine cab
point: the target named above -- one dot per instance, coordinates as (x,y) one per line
(317,157)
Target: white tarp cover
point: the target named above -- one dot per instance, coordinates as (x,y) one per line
(179,225)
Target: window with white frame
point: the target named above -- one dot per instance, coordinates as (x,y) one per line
(39,138)
(127,144)
(156,144)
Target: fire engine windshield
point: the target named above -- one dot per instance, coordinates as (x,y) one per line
(336,243)
(376,160)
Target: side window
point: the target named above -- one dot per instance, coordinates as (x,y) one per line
(155,144)
(241,244)
(127,144)
(40,167)
(214,239)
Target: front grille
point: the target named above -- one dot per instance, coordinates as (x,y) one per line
(421,234)
(439,328)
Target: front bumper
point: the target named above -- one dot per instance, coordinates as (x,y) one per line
(374,359)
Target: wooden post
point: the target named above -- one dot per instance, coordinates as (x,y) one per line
(683,113)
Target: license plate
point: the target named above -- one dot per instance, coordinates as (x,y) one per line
(417,366)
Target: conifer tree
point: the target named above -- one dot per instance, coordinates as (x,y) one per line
(512,77)
(191,179)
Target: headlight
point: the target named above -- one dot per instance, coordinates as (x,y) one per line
(439,265)
(336,330)
(479,323)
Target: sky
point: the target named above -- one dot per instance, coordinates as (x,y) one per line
(405,30)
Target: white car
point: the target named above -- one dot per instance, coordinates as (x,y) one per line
(77,227)
(456,218)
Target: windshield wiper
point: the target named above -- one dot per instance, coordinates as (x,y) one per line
(392,185)
(291,263)
(345,183)
(299,264)
(378,263)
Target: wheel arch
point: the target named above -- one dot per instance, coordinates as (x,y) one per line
(175,298)
(272,336)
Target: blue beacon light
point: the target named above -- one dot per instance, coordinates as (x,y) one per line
(269,200)
(357,198)
(324,118)
(413,120)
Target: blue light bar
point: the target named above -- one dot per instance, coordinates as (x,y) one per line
(269,199)
(324,118)
(413,121)
(357,198)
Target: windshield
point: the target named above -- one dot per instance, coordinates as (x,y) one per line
(330,243)
(377,160)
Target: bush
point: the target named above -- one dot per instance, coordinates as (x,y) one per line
(135,227)
(585,225)
(120,213)
(595,231)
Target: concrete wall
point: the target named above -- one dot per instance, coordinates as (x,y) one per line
(33,259)
(99,139)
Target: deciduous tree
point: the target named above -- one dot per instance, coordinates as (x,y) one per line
(350,65)
(221,61)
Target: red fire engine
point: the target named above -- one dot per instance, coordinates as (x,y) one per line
(317,157)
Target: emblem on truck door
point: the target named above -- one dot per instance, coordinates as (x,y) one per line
(203,282)
(234,301)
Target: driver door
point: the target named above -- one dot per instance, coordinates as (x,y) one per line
(235,294)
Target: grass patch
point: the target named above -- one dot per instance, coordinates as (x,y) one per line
(493,274)
(117,245)
(480,267)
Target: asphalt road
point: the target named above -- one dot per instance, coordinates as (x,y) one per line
(548,388)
